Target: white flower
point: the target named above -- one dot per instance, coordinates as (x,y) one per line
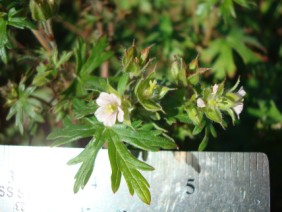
(200,103)
(241,92)
(214,89)
(109,109)
(238,109)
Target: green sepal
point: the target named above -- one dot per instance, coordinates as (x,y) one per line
(178,71)
(214,115)
(149,93)
(194,79)
(212,130)
(220,89)
(194,115)
(235,86)
(198,128)
(232,115)
(194,64)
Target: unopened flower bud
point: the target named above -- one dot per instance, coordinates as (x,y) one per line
(193,65)
(145,53)
(42,10)
(129,55)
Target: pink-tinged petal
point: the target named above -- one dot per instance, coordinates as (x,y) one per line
(100,113)
(115,99)
(238,109)
(104,99)
(200,103)
(241,92)
(111,119)
(215,88)
(120,115)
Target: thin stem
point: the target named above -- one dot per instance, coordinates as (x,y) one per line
(47,27)
(42,40)
(45,36)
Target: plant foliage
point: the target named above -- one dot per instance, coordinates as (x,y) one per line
(126,75)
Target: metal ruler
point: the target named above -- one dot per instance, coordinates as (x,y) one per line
(37,179)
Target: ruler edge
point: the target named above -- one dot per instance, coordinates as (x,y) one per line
(7,148)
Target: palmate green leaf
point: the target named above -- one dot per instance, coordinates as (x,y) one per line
(72,132)
(25,107)
(149,140)
(17,22)
(86,65)
(82,109)
(88,128)
(87,157)
(97,56)
(130,159)
(94,83)
(269,110)
(122,161)
(222,49)
(241,48)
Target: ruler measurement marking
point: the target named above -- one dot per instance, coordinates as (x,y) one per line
(218,162)
(231,159)
(238,165)
(250,166)
(261,156)
(263,172)
(212,164)
(257,162)
(260,160)
(244,168)
(198,164)
(224,165)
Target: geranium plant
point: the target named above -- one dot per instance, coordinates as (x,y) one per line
(132,111)
(134,106)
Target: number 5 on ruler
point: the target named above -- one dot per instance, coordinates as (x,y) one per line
(190,186)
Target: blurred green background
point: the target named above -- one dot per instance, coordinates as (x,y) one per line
(236,38)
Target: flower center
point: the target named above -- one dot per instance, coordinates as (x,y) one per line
(111,108)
